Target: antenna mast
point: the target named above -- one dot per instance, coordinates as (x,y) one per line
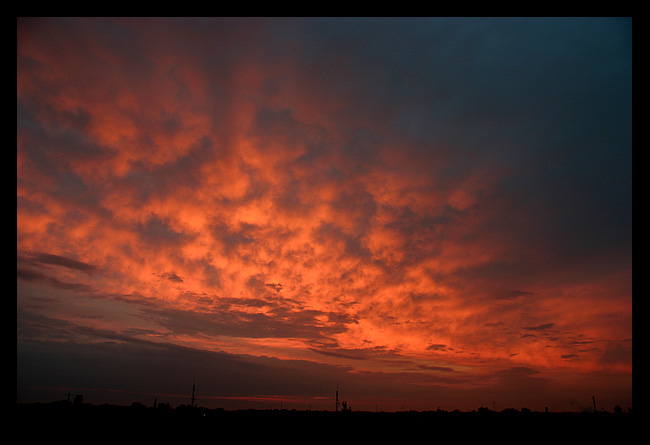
(193,386)
(337,397)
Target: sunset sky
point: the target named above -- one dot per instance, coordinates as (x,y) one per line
(424,213)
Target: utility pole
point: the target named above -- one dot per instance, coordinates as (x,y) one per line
(594,399)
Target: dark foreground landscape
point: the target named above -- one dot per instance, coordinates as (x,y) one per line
(90,423)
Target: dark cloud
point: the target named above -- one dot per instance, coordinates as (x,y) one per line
(436,347)
(617,352)
(541,327)
(346,243)
(233,321)
(511,294)
(58,260)
(156,179)
(228,302)
(231,238)
(275,286)
(35,276)
(171,276)
(158,233)
(332,349)
(435,368)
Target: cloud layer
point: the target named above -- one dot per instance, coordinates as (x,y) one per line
(448,201)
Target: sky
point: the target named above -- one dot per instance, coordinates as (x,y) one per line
(425,213)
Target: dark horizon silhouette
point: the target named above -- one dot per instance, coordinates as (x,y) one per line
(164,422)
(343,407)
(168,407)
